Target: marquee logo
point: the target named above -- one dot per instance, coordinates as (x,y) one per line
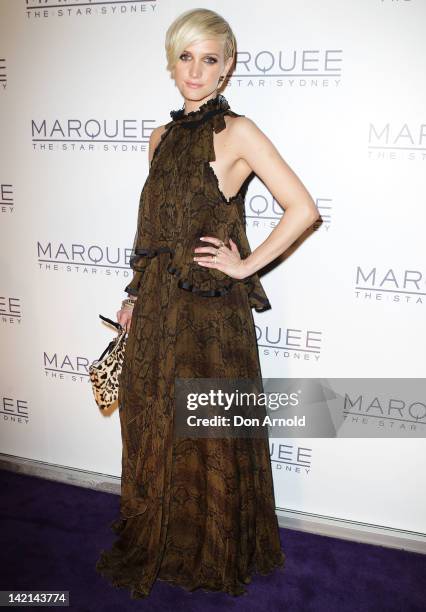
(385,413)
(349,407)
(14,410)
(10,310)
(288,68)
(80,258)
(91,134)
(390,285)
(42,9)
(289,343)
(290,458)
(3,75)
(66,367)
(388,141)
(6,198)
(262,211)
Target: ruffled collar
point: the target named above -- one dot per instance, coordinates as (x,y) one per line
(213,106)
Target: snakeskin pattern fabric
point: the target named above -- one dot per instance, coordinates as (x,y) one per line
(195,512)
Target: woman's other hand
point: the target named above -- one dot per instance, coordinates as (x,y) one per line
(124,317)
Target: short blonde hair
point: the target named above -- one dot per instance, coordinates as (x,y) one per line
(196,25)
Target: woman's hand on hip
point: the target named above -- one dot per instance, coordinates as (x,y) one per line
(228,260)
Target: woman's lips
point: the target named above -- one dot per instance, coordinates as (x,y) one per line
(193,85)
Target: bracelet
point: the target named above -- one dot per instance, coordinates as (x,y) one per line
(128,302)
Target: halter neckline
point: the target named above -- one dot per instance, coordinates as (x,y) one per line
(213,106)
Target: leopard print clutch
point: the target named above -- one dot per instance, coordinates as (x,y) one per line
(105,372)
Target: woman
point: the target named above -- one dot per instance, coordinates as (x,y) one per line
(197,512)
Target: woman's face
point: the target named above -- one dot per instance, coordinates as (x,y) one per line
(198,69)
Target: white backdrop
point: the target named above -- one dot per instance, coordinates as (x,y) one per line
(339,88)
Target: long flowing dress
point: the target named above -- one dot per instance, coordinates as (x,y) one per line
(198,513)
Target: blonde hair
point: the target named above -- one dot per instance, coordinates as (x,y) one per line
(196,25)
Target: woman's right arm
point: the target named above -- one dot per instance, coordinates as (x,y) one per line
(124,315)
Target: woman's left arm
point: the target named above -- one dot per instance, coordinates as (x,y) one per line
(257,150)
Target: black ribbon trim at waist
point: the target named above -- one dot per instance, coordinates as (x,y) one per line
(257,301)
(153,252)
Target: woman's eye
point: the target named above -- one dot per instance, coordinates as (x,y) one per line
(210,60)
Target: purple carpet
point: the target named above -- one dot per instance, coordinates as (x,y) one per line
(52,534)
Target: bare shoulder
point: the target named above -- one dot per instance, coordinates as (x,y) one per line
(244,127)
(156,133)
(244,134)
(252,145)
(154,139)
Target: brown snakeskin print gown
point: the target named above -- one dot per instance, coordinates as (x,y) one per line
(198,513)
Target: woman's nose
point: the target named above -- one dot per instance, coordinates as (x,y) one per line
(195,70)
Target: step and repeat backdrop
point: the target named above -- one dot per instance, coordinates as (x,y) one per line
(339,88)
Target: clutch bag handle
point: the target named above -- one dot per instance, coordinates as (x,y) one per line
(114,323)
(113,342)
